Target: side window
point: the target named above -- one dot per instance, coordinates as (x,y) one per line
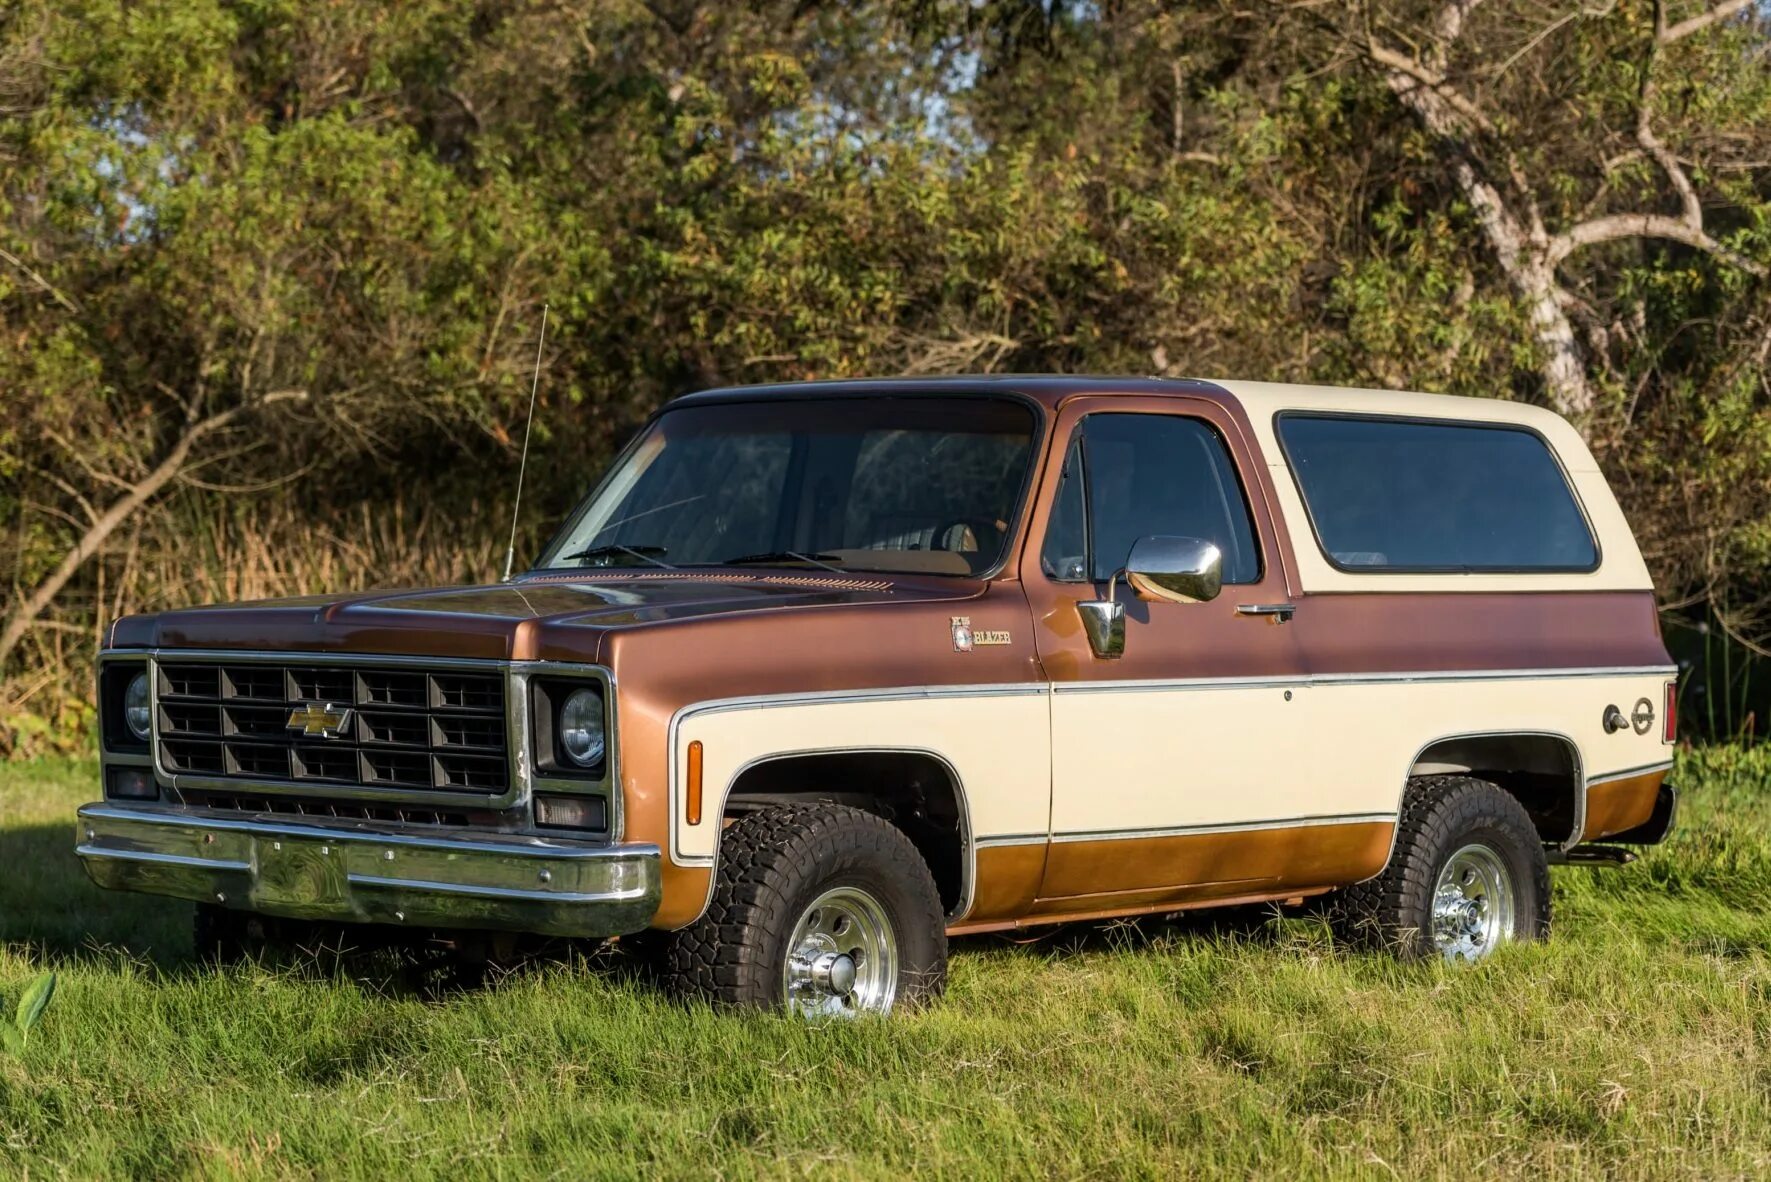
(1418,495)
(1137,475)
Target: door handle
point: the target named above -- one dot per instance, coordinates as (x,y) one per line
(1279,611)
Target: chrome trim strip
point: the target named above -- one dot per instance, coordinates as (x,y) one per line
(1225,827)
(94,851)
(484,892)
(1013,689)
(985,843)
(1327,679)
(1628,773)
(506,844)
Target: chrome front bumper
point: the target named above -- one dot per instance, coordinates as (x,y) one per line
(452,879)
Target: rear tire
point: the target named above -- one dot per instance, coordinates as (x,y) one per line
(1467,874)
(817,909)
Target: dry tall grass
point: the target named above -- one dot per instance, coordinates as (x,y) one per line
(200,551)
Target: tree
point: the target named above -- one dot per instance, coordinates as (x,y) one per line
(1503,192)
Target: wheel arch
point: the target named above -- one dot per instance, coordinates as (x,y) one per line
(1543,770)
(916,789)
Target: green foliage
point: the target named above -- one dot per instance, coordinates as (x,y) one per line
(341,221)
(15,1035)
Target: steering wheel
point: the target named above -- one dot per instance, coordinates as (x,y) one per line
(980,527)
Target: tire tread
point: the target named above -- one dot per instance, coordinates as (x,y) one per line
(1382,912)
(767,860)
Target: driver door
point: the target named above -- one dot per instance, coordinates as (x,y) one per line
(1174,763)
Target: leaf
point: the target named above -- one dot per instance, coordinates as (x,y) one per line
(10,1037)
(34,1001)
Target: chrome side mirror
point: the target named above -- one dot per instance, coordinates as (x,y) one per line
(1174,570)
(1177,570)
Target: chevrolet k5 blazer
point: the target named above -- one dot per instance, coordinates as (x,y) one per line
(822,674)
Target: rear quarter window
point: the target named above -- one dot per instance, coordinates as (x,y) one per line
(1399,495)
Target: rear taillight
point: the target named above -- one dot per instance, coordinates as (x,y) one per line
(1671,713)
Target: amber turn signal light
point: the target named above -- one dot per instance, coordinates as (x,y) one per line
(694,786)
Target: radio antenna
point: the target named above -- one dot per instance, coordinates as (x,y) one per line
(510,551)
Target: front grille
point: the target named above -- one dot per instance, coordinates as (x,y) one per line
(409,729)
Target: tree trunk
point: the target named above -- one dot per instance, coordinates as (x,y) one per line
(1520,247)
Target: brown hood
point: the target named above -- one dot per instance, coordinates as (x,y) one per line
(542,617)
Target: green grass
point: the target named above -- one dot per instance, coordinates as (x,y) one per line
(1637,1042)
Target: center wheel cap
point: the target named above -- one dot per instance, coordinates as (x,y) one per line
(834,973)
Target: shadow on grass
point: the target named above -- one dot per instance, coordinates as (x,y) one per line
(47,901)
(48,904)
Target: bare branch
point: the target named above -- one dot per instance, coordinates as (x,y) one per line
(1430,79)
(1701,21)
(174,462)
(54,292)
(1619,226)
(79,458)
(1688,227)
(1650,142)
(1535,41)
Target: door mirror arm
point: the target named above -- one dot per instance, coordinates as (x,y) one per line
(1104,622)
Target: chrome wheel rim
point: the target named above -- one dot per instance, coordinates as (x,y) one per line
(843,957)
(1472,904)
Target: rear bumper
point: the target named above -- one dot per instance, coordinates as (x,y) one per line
(1654,830)
(506,882)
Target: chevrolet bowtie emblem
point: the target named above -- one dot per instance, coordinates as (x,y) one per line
(322,719)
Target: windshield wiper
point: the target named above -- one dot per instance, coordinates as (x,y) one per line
(643,553)
(823,560)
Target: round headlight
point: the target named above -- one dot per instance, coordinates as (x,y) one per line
(135,706)
(581,727)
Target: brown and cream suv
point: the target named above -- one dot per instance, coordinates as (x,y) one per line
(822,674)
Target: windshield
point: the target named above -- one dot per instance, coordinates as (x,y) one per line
(925,485)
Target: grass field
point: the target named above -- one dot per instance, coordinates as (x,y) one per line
(1636,1043)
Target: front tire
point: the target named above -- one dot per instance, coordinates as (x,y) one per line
(819,910)
(1468,873)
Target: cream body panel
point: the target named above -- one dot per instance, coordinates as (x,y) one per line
(1620,561)
(996,739)
(1136,757)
